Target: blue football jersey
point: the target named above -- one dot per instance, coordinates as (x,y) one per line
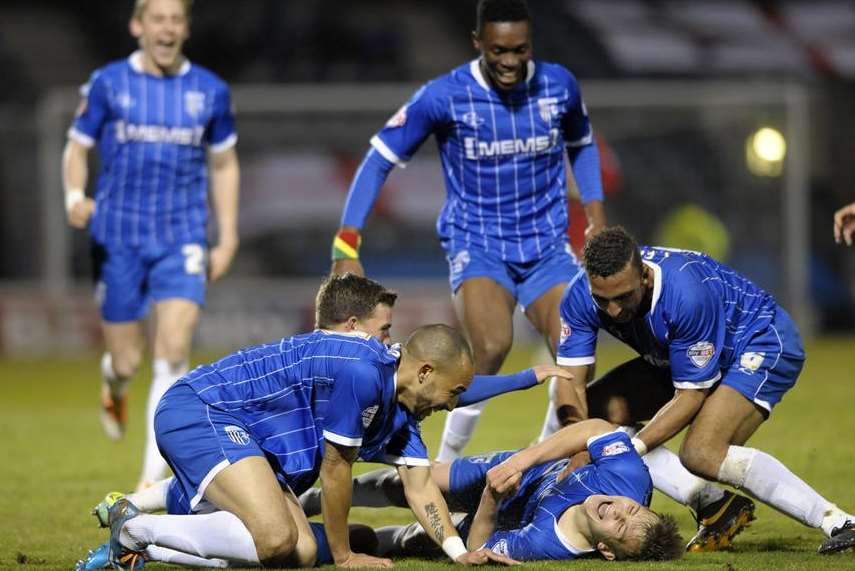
(616,469)
(503,156)
(703,314)
(294,394)
(153,134)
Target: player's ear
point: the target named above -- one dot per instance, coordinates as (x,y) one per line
(351,324)
(605,551)
(476,41)
(425,372)
(135,27)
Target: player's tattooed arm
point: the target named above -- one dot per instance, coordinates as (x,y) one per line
(435,522)
(425,499)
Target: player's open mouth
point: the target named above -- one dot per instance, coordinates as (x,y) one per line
(600,507)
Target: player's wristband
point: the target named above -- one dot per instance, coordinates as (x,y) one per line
(72,197)
(639,446)
(453,547)
(346,245)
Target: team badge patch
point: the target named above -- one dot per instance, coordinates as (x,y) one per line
(237,435)
(368,415)
(565,331)
(547,108)
(124,100)
(194,102)
(751,360)
(615,448)
(399,118)
(700,353)
(501,547)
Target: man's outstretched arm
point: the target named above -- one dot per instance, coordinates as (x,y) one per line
(563,444)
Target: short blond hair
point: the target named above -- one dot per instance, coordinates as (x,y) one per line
(140,5)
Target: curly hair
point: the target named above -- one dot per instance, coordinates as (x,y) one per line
(501,11)
(662,541)
(610,251)
(343,296)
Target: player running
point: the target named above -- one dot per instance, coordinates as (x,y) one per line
(717,354)
(531,506)
(163,125)
(505,125)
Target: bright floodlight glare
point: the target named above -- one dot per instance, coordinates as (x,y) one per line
(765,150)
(769,144)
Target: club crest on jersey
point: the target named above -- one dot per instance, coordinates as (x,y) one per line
(565,331)
(399,118)
(614,449)
(124,100)
(548,108)
(501,547)
(368,415)
(751,360)
(473,119)
(700,353)
(194,102)
(237,435)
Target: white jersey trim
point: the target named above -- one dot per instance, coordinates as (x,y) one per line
(225,144)
(657,284)
(200,491)
(405,460)
(566,542)
(593,439)
(135,60)
(475,70)
(586,140)
(386,152)
(700,385)
(575,361)
(343,440)
(81,137)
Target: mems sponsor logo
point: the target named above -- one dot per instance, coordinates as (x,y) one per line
(133,133)
(476,149)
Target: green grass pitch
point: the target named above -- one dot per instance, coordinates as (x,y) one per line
(55,463)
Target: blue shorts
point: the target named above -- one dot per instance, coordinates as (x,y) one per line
(128,278)
(769,364)
(198,442)
(526,281)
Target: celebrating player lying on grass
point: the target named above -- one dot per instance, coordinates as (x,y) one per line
(717,354)
(163,126)
(536,509)
(505,125)
(217,423)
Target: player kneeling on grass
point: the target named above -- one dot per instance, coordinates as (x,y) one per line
(530,505)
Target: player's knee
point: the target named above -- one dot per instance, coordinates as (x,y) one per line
(126,363)
(490,351)
(276,545)
(174,351)
(617,411)
(699,459)
(306,552)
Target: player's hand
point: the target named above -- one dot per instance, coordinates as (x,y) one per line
(506,476)
(485,557)
(543,372)
(220,260)
(355,560)
(79,214)
(578,460)
(340,267)
(844,224)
